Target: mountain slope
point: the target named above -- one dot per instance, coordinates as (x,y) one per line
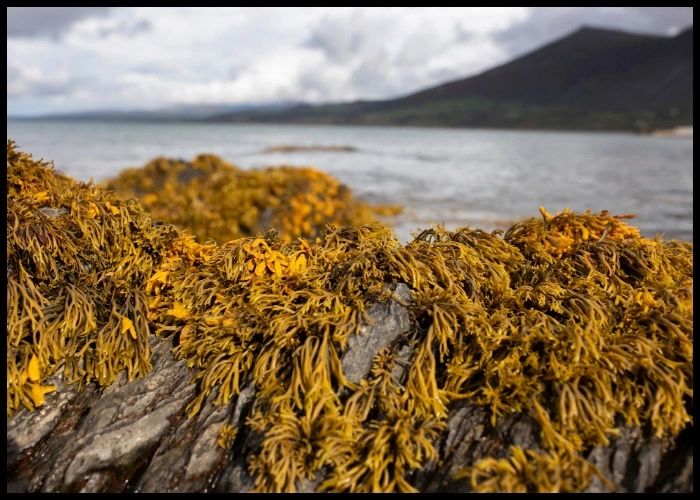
(591,79)
(553,75)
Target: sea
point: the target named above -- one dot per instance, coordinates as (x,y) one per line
(479,178)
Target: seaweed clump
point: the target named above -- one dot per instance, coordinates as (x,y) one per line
(584,337)
(280,313)
(77,261)
(213,199)
(528,471)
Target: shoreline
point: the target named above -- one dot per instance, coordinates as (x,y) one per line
(684,132)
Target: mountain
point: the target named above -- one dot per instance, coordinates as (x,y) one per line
(183,112)
(592,79)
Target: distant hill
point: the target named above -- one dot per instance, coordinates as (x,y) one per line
(592,79)
(184,112)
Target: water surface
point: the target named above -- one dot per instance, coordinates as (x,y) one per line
(459,177)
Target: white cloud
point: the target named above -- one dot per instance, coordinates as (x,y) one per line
(151,57)
(33,81)
(544,24)
(48,22)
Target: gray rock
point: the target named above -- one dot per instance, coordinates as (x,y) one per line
(389,321)
(54,213)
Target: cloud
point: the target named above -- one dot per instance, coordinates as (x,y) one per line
(342,38)
(663,20)
(256,55)
(53,22)
(31,81)
(389,51)
(153,57)
(544,24)
(125,28)
(463,35)
(311,85)
(419,48)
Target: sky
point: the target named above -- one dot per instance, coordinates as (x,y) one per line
(70,59)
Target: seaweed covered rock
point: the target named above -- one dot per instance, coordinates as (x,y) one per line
(462,361)
(213,199)
(77,261)
(584,339)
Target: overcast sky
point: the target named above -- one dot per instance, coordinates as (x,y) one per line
(62,59)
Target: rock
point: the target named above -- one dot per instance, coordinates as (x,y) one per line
(136,437)
(54,212)
(94,439)
(388,322)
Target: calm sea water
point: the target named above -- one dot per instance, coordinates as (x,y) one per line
(477,178)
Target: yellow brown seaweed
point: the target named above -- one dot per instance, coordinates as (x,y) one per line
(78,258)
(505,322)
(213,199)
(528,471)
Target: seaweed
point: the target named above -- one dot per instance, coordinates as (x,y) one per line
(565,339)
(528,471)
(77,261)
(214,199)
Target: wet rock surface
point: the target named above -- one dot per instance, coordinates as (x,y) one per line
(388,322)
(136,437)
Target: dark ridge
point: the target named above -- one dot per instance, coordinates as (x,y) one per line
(595,79)
(558,73)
